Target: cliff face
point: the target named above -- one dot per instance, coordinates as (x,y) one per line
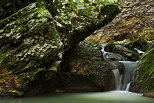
(134,21)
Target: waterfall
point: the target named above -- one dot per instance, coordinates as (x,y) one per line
(118,78)
(128,86)
(116,73)
(129,70)
(122,81)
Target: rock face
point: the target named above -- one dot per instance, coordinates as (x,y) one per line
(145,73)
(83,69)
(134,21)
(29,51)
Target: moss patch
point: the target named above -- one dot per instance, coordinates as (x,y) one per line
(146,71)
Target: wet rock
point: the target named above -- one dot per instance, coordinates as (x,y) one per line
(151,94)
(140,44)
(30,49)
(128,53)
(83,69)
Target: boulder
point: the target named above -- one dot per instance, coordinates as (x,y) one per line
(30,52)
(83,69)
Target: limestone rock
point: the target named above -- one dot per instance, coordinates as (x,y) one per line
(30,49)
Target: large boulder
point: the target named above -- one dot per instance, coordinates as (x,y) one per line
(134,21)
(83,69)
(30,50)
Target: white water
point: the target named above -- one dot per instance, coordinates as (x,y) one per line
(118,78)
(139,51)
(129,70)
(94,97)
(128,86)
(122,81)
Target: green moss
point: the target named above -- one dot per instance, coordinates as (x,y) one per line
(24,14)
(146,71)
(36,11)
(2,58)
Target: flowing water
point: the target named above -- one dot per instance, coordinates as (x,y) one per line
(118,78)
(122,81)
(129,71)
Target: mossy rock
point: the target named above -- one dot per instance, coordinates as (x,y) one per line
(146,71)
(29,50)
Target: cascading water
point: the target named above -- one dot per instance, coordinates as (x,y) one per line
(122,81)
(118,78)
(130,67)
(116,73)
(129,70)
